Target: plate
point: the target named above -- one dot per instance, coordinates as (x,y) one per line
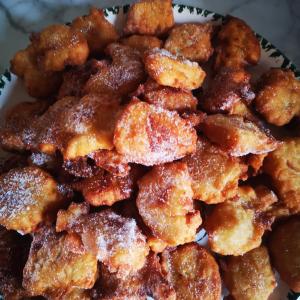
(12,90)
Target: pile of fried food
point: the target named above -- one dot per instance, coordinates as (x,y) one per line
(131,149)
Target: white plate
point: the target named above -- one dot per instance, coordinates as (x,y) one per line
(12,90)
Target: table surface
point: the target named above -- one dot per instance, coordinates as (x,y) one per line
(276,20)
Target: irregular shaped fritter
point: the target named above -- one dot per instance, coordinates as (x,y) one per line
(38,83)
(17,124)
(237,225)
(149,281)
(250,276)
(171,70)
(228,87)
(78,127)
(284,247)
(237,45)
(150,17)
(58,263)
(150,135)
(96,29)
(105,188)
(237,136)
(111,161)
(58,46)
(278,98)
(27,195)
(165,203)
(215,174)
(193,41)
(142,43)
(283,165)
(167,97)
(120,77)
(116,241)
(192,272)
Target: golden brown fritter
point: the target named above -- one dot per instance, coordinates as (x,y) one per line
(150,135)
(283,165)
(27,196)
(236,226)
(250,276)
(150,17)
(192,272)
(237,136)
(17,124)
(58,46)
(120,77)
(149,281)
(228,87)
(57,264)
(215,174)
(167,97)
(278,98)
(174,71)
(284,247)
(142,43)
(237,45)
(165,203)
(193,41)
(38,83)
(116,241)
(96,29)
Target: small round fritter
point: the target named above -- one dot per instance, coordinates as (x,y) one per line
(165,203)
(237,225)
(193,41)
(215,174)
(250,276)
(58,263)
(237,45)
(116,241)
(150,17)
(96,29)
(278,99)
(284,247)
(283,165)
(26,196)
(172,70)
(192,272)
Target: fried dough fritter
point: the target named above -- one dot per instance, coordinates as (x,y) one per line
(215,174)
(38,83)
(278,98)
(27,195)
(58,46)
(237,136)
(284,247)
(283,165)
(150,135)
(167,97)
(228,87)
(237,45)
(116,241)
(58,263)
(96,29)
(165,203)
(192,272)
(193,41)
(142,43)
(174,71)
(148,281)
(122,76)
(149,17)
(250,276)
(236,226)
